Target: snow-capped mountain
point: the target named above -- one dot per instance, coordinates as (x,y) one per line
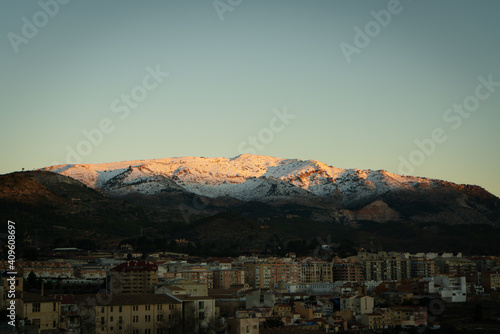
(329,192)
(245,177)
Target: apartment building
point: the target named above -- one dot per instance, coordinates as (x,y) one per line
(314,270)
(227,277)
(456,266)
(385,266)
(133,313)
(422,267)
(269,274)
(134,277)
(347,270)
(199,275)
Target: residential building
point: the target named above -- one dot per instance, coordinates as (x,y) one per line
(313,271)
(199,275)
(347,270)
(189,287)
(422,267)
(134,313)
(227,277)
(134,277)
(372,320)
(490,281)
(42,312)
(357,304)
(456,267)
(385,266)
(243,326)
(269,274)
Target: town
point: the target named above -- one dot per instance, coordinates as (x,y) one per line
(124,291)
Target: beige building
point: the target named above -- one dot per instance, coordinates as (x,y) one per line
(422,267)
(188,287)
(227,277)
(315,271)
(385,266)
(134,277)
(456,266)
(43,312)
(198,275)
(130,313)
(268,274)
(198,311)
(347,270)
(243,326)
(357,304)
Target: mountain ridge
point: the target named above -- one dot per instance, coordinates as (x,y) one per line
(357,194)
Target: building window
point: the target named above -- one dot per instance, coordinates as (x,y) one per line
(111,319)
(147,318)
(54,307)
(111,309)
(102,320)
(36,307)
(54,324)
(119,309)
(148,307)
(201,305)
(201,315)
(120,319)
(159,307)
(102,309)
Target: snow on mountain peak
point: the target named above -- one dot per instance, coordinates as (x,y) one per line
(244,177)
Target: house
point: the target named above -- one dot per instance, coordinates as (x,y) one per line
(408,315)
(337,323)
(282,309)
(70,319)
(258,298)
(357,304)
(372,320)
(242,326)
(198,309)
(41,311)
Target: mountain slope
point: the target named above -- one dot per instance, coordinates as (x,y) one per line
(333,194)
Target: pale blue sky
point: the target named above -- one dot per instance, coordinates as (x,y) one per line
(227,76)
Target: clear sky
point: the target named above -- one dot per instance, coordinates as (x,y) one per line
(355,83)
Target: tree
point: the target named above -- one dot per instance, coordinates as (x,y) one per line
(171,322)
(33,282)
